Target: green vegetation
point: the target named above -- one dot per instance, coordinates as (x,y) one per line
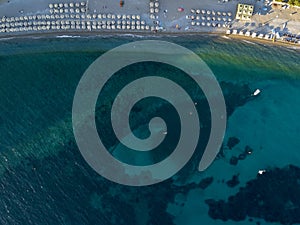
(291,2)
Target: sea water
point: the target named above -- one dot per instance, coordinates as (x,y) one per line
(45,180)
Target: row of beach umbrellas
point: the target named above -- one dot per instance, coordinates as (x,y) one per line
(250,34)
(208,18)
(73,22)
(72,16)
(208,24)
(76,27)
(67,5)
(210,12)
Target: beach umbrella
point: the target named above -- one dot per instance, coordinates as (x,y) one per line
(156,4)
(77,4)
(198,23)
(138,27)
(66,5)
(156,10)
(193,17)
(50,6)
(132,22)
(203,23)
(133,17)
(142,27)
(82,10)
(202,11)
(119,27)
(197,17)
(109,16)
(128,27)
(208,18)
(61,11)
(55,5)
(128,22)
(208,24)
(203,17)
(193,23)
(61,5)
(151,4)
(132,27)
(82,3)
(138,17)
(113,16)
(208,12)
(219,25)
(66,10)
(180,9)
(229,13)
(138,22)
(224,13)
(123,27)
(143,22)
(213,13)
(213,18)
(123,22)
(213,24)
(77,10)
(71,4)
(193,11)
(113,27)
(147,27)
(128,17)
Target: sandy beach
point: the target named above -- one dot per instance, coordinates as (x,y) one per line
(19,17)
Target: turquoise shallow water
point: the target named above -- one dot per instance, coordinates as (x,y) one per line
(44,179)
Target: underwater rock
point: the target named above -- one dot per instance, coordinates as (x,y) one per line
(233,160)
(273,196)
(232,141)
(234,181)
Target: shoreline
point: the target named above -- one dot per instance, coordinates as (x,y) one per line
(94,34)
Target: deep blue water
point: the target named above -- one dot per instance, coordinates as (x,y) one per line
(43,177)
